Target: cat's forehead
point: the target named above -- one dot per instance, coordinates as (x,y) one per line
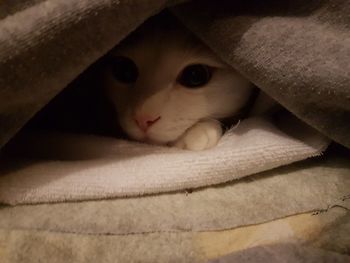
(158,46)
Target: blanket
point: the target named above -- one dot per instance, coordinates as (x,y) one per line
(249,217)
(296,239)
(297,52)
(71,167)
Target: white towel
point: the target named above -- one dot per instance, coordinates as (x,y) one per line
(85,167)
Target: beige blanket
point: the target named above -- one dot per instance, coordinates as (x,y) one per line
(198,226)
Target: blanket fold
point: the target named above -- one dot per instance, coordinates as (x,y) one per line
(45,44)
(79,167)
(297,52)
(277,193)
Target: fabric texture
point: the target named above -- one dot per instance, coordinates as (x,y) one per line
(324,182)
(303,233)
(288,253)
(298,52)
(45,44)
(91,167)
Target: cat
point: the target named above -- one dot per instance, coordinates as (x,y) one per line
(168,88)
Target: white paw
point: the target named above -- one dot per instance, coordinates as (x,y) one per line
(203,135)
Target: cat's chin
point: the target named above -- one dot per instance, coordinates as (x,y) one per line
(152,136)
(157,141)
(152,139)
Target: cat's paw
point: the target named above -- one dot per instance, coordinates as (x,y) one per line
(203,135)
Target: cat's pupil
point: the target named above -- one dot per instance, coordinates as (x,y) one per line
(195,76)
(124,70)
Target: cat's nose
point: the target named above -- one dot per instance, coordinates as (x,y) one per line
(144,122)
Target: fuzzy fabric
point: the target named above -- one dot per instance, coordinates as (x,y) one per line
(45,44)
(92,167)
(314,184)
(297,52)
(288,253)
(298,238)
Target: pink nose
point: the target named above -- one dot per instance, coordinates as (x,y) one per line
(144,122)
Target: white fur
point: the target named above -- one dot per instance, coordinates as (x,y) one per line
(203,135)
(160,57)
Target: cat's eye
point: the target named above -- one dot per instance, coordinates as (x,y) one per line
(124,69)
(195,76)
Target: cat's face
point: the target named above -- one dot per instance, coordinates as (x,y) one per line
(163,83)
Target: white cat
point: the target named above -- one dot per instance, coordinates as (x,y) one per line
(169,88)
